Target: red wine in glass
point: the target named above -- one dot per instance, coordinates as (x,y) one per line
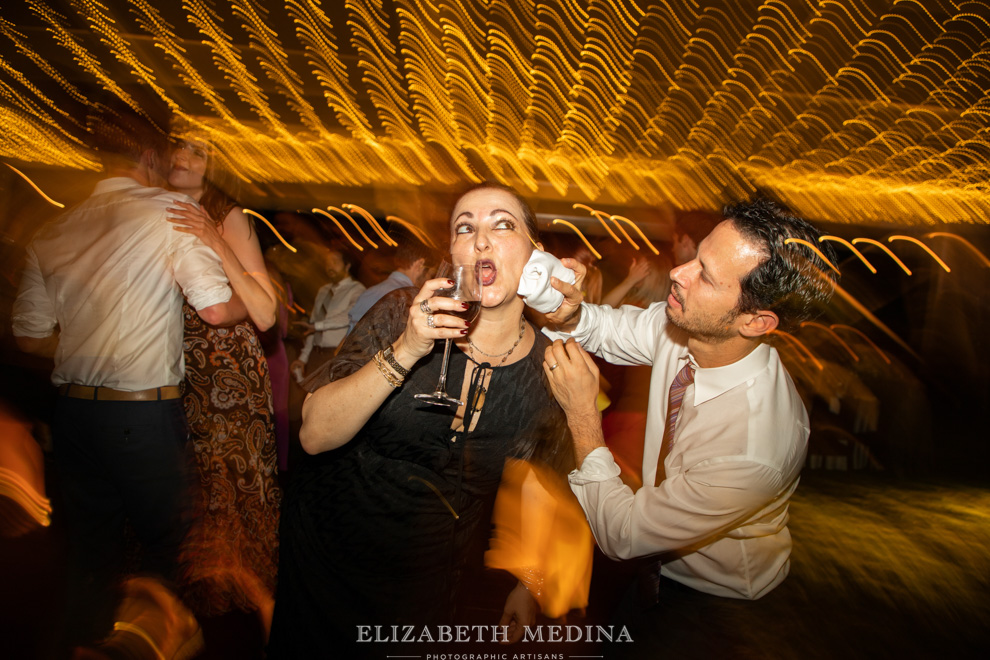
(467,288)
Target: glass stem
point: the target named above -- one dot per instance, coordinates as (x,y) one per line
(442,384)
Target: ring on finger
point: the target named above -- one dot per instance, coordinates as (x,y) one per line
(429,321)
(554,366)
(425,306)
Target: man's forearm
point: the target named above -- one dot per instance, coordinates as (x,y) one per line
(569,325)
(225,314)
(586,433)
(43,346)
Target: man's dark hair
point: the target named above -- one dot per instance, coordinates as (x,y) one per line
(120,133)
(410,251)
(696,224)
(529,218)
(792,280)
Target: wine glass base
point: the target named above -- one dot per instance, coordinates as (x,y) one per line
(440,399)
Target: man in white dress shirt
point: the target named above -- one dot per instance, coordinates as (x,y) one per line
(328,322)
(713,508)
(102,293)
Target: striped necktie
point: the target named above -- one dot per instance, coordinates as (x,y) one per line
(684,378)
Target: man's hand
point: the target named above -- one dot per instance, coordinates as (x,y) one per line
(565,318)
(308,328)
(573,377)
(520,611)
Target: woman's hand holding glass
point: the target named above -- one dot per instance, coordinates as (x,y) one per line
(418,339)
(461,299)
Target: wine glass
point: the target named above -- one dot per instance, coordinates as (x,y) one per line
(467,288)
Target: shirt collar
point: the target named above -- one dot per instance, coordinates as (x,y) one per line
(336,287)
(115,184)
(401,277)
(710,383)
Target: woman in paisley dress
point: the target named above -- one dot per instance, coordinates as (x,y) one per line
(230,558)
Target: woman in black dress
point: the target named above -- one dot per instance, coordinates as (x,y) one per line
(393,506)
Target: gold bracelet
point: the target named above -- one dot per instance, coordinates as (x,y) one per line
(392,379)
(532,579)
(389,356)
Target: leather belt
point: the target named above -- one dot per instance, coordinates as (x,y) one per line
(109,394)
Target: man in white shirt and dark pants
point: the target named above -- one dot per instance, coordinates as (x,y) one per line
(726,430)
(328,322)
(102,293)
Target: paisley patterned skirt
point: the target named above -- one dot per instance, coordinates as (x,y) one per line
(230,557)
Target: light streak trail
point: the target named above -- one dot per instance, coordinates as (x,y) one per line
(580,235)
(356,225)
(852,248)
(36,188)
(619,102)
(885,249)
(599,215)
(801,347)
(374,223)
(831,333)
(274,231)
(924,247)
(814,249)
(979,255)
(871,317)
(340,227)
(638,231)
(423,237)
(594,213)
(839,326)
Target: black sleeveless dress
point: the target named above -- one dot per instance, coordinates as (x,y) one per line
(381,531)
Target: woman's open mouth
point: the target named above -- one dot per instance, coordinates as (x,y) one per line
(488,272)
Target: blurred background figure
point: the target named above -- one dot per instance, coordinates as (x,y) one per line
(690,228)
(624,422)
(230,558)
(414,262)
(647,282)
(328,322)
(102,292)
(273,343)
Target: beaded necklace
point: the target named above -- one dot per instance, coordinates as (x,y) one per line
(504,356)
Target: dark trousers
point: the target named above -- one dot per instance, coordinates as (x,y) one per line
(686,623)
(118,461)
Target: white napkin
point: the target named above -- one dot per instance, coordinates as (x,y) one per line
(534,285)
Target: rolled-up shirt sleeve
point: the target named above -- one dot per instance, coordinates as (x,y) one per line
(627,335)
(199,272)
(33,314)
(685,512)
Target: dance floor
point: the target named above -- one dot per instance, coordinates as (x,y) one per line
(882,568)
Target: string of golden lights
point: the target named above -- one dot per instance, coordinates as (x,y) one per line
(847,110)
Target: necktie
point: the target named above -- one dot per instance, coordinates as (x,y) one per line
(321,305)
(684,378)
